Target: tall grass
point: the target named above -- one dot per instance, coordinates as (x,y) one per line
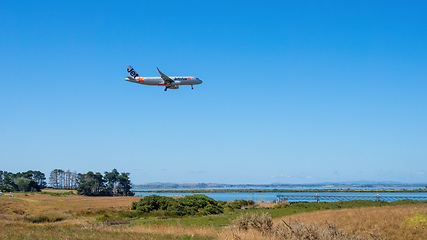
(263,225)
(44,216)
(227,218)
(390,222)
(104,233)
(53,193)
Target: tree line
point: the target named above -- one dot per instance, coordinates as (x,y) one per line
(27,181)
(110,184)
(61,179)
(90,184)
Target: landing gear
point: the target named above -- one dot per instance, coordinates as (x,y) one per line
(191,86)
(166,88)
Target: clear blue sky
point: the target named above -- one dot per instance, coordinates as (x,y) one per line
(293,91)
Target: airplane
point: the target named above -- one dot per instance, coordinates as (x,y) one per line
(163,80)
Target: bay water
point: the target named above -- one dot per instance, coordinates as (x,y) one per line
(272,196)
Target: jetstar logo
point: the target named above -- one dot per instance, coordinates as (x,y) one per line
(132,73)
(181,78)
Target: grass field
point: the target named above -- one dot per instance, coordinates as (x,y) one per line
(67,216)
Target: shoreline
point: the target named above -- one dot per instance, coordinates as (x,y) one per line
(280,190)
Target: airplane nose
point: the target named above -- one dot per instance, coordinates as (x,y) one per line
(200,81)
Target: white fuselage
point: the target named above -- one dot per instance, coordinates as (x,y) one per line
(163,80)
(158,81)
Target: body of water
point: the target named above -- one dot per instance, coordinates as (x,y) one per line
(271,196)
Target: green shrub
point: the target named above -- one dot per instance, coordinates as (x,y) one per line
(188,205)
(238,204)
(154,202)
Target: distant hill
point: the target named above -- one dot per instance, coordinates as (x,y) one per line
(357,184)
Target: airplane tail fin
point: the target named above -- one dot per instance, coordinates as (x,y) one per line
(131,72)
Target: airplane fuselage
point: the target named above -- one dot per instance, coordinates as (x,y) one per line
(158,81)
(163,80)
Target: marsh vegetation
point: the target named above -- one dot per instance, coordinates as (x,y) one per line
(69,216)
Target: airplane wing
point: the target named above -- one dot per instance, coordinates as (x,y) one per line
(164,77)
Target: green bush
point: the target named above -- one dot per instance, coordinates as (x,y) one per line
(188,205)
(154,202)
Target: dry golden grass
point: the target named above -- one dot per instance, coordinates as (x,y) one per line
(36,203)
(59,190)
(42,216)
(99,231)
(397,222)
(76,219)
